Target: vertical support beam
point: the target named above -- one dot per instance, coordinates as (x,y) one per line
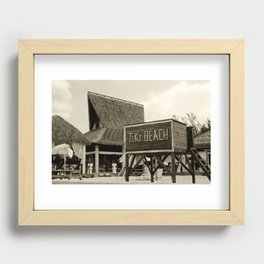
(173,170)
(123,157)
(190,139)
(156,168)
(127,167)
(84,160)
(151,169)
(104,162)
(193,168)
(64,167)
(96,159)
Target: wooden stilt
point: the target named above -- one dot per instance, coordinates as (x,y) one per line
(84,159)
(193,169)
(156,168)
(151,169)
(96,159)
(123,158)
(173,171)
(127,167)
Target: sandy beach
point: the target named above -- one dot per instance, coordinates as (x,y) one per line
(180,179)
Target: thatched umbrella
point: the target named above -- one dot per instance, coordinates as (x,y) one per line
(64,132)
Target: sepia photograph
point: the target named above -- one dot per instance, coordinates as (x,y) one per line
(131,132)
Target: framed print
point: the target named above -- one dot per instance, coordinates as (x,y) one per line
(131,132)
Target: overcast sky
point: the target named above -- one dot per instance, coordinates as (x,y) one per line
(161,99)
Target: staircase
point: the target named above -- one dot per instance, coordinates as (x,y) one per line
(206,169)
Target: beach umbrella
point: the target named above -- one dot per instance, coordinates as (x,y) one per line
(63,149)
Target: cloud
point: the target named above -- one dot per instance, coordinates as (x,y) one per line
(183,97)
(61,99)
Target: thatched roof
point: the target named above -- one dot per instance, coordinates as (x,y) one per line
(115,113)
(203,140)
(108,116)
(64,132)
(105,136)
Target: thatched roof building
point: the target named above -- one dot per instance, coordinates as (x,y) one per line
(108,116)
(64,132)
(203,140)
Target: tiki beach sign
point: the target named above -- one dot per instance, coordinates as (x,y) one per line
(148,135)
(155,136)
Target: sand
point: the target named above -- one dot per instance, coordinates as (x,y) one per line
(185,179)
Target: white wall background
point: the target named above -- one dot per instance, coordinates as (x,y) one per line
(132,19)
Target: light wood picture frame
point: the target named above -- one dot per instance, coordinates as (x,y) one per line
(30,217)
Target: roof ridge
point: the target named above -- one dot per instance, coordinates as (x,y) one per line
(116,99)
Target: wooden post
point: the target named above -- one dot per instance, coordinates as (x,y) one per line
(193,169)
(173,171)
(156,169)
(127,167)
(104,163)
(64,162)
(123,157)
(151,169)
(96,160)
(84,160)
